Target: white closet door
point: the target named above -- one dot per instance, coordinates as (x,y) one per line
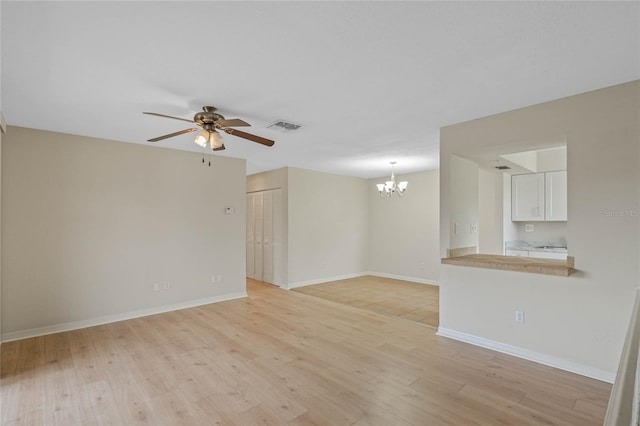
(267,236)
(264,236)
(277,237)
(251,246)
(258,230)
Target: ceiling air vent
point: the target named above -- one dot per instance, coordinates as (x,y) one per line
(284,126)
(503,167)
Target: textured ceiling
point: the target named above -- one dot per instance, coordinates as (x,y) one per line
(370,82)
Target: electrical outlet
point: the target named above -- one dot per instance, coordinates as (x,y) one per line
(213,279)
(219,278)
(529,227)
(520,316)
(473,228)
(156,286)
(166,285)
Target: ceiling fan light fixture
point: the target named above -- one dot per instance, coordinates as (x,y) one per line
(202,138)
(215,140)
(208,121)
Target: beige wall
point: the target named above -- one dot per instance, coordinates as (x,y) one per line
(1,133)
(403,232)
(274,179)
(578,322)
(328,226)
(342,226)
(90,225)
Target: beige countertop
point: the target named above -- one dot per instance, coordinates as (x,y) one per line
(513,263)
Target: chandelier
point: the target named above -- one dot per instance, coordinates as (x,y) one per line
(391,187)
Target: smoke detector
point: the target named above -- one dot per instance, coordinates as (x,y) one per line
(284,126)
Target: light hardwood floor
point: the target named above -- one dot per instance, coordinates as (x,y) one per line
(417,302)
(276,358)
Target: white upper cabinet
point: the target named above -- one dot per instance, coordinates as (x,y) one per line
(539,197)
(555,201)
(527,197)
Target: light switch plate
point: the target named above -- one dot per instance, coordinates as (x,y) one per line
(528,227)
(229,210)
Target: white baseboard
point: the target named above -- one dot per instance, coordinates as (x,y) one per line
(75,325)
(562,364)
(404,278)
(325,280)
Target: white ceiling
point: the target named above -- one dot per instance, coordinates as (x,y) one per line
(370,82)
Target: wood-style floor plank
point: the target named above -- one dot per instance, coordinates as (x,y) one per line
(417,302)
(278,358)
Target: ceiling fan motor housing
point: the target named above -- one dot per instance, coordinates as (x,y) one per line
(207,116)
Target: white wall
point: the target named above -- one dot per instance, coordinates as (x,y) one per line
(89,225)
(542,231)
(526,159)
(464,202)
(552,159)
(577,322)
(404,232)
(490,208)
(328,226)
(275,179)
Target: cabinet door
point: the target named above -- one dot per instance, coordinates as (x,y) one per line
(527,197)
(556,196)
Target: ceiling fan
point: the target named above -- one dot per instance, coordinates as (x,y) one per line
(210,122)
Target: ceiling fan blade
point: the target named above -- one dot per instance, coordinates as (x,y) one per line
(170,135)
(249,136)
(234,122)
(220,148)
(168,116)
